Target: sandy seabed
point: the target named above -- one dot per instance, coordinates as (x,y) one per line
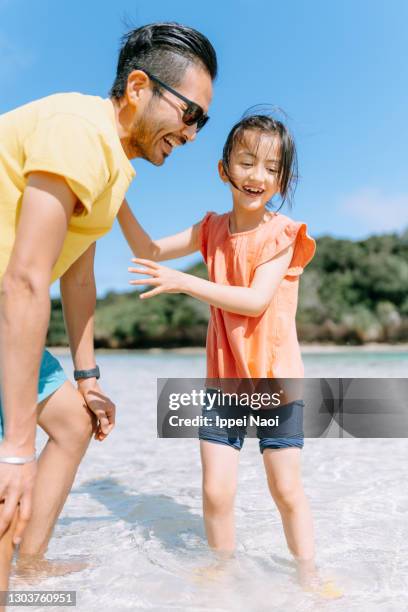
(135,509)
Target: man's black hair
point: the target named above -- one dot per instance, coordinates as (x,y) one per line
(165,50)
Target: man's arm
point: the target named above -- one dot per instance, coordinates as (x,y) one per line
(78,295)
(248,301)
(170,247)
(24,315)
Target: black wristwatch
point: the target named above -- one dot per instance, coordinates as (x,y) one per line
(94,373)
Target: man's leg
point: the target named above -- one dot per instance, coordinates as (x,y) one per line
(6,553)
(69,424)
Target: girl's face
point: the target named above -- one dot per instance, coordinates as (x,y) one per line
(254,168)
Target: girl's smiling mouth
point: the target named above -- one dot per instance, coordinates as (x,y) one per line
(253,191)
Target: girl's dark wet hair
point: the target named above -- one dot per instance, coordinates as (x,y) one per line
(266,124)
(164,49)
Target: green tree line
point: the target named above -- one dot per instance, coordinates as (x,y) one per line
(351,293)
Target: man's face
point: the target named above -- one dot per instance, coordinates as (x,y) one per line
(158,126)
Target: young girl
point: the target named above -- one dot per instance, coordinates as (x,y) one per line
(254,258)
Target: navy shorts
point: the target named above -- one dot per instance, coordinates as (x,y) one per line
(288,433)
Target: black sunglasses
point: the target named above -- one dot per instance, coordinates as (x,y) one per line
(193,114)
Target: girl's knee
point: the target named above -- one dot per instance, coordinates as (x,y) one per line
(286,494)
(218,496)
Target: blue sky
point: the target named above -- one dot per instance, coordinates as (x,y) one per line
(337,68)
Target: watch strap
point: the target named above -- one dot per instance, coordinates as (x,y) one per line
(93,373)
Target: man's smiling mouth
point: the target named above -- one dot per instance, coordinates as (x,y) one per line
(172,141)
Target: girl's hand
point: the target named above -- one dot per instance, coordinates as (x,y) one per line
(163,279)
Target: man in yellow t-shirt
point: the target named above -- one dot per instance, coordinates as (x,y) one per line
(64,172)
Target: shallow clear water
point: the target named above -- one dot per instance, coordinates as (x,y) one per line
(135,508)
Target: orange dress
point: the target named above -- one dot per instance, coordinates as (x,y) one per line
(254,347)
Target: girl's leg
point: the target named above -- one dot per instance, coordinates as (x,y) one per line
(283,470)
(220,474)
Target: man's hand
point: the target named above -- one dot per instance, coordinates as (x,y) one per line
(98,403)
(16,486)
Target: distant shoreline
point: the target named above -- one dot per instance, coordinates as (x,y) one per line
(305,348)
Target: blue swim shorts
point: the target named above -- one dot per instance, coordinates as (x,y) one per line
(51,378)
(288,434)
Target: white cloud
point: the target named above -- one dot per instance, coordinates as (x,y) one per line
(377,212)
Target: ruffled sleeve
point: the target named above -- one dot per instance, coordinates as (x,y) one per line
(203,234)
(279,238)
(305,248)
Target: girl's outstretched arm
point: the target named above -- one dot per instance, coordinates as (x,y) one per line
(248,301)
(142,245)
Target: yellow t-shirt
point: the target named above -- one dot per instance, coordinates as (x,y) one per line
(74,136)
